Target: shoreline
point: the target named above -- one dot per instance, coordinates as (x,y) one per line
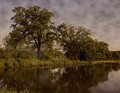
(18,62)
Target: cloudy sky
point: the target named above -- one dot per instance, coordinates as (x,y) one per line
(101,16)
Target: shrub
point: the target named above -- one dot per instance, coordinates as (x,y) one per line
(3,53)
(11,62)
(21,62)
(25,54)
(2,63)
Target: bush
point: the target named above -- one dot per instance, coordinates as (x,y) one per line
(3,53)
(21,62)
(11,62)
(52,54)
(11,53)
(25,54)
(2,63)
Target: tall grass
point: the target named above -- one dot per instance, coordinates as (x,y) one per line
(18,62)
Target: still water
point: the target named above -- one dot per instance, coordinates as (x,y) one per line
(102,78)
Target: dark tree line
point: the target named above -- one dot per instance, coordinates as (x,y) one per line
(34,34)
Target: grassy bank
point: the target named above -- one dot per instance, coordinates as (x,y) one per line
(18,62)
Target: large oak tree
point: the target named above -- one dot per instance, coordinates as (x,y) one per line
(32,26)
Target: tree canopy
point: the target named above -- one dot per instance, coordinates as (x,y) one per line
(72,39)
(33,29)
(32,26)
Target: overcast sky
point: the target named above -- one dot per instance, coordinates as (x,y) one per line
(101,16)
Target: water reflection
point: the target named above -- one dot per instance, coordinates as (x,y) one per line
(55,80)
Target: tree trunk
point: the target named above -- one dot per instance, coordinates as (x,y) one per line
(39,51)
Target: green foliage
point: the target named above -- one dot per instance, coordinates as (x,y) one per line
(78,44)
(22,62)
(17,54)
(2,63)
(3,53)
(114,55)
(25,54)
(94,50)
(71,38)
(32,26)
(34,35)
(11,62)
(52,54)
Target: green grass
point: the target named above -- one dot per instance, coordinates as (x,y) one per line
(18,62)
(5,90)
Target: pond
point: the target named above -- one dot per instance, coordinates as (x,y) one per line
(101,78)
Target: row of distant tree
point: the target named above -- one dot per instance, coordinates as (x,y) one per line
(34,34)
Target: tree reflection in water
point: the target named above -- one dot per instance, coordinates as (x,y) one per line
(58,80)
